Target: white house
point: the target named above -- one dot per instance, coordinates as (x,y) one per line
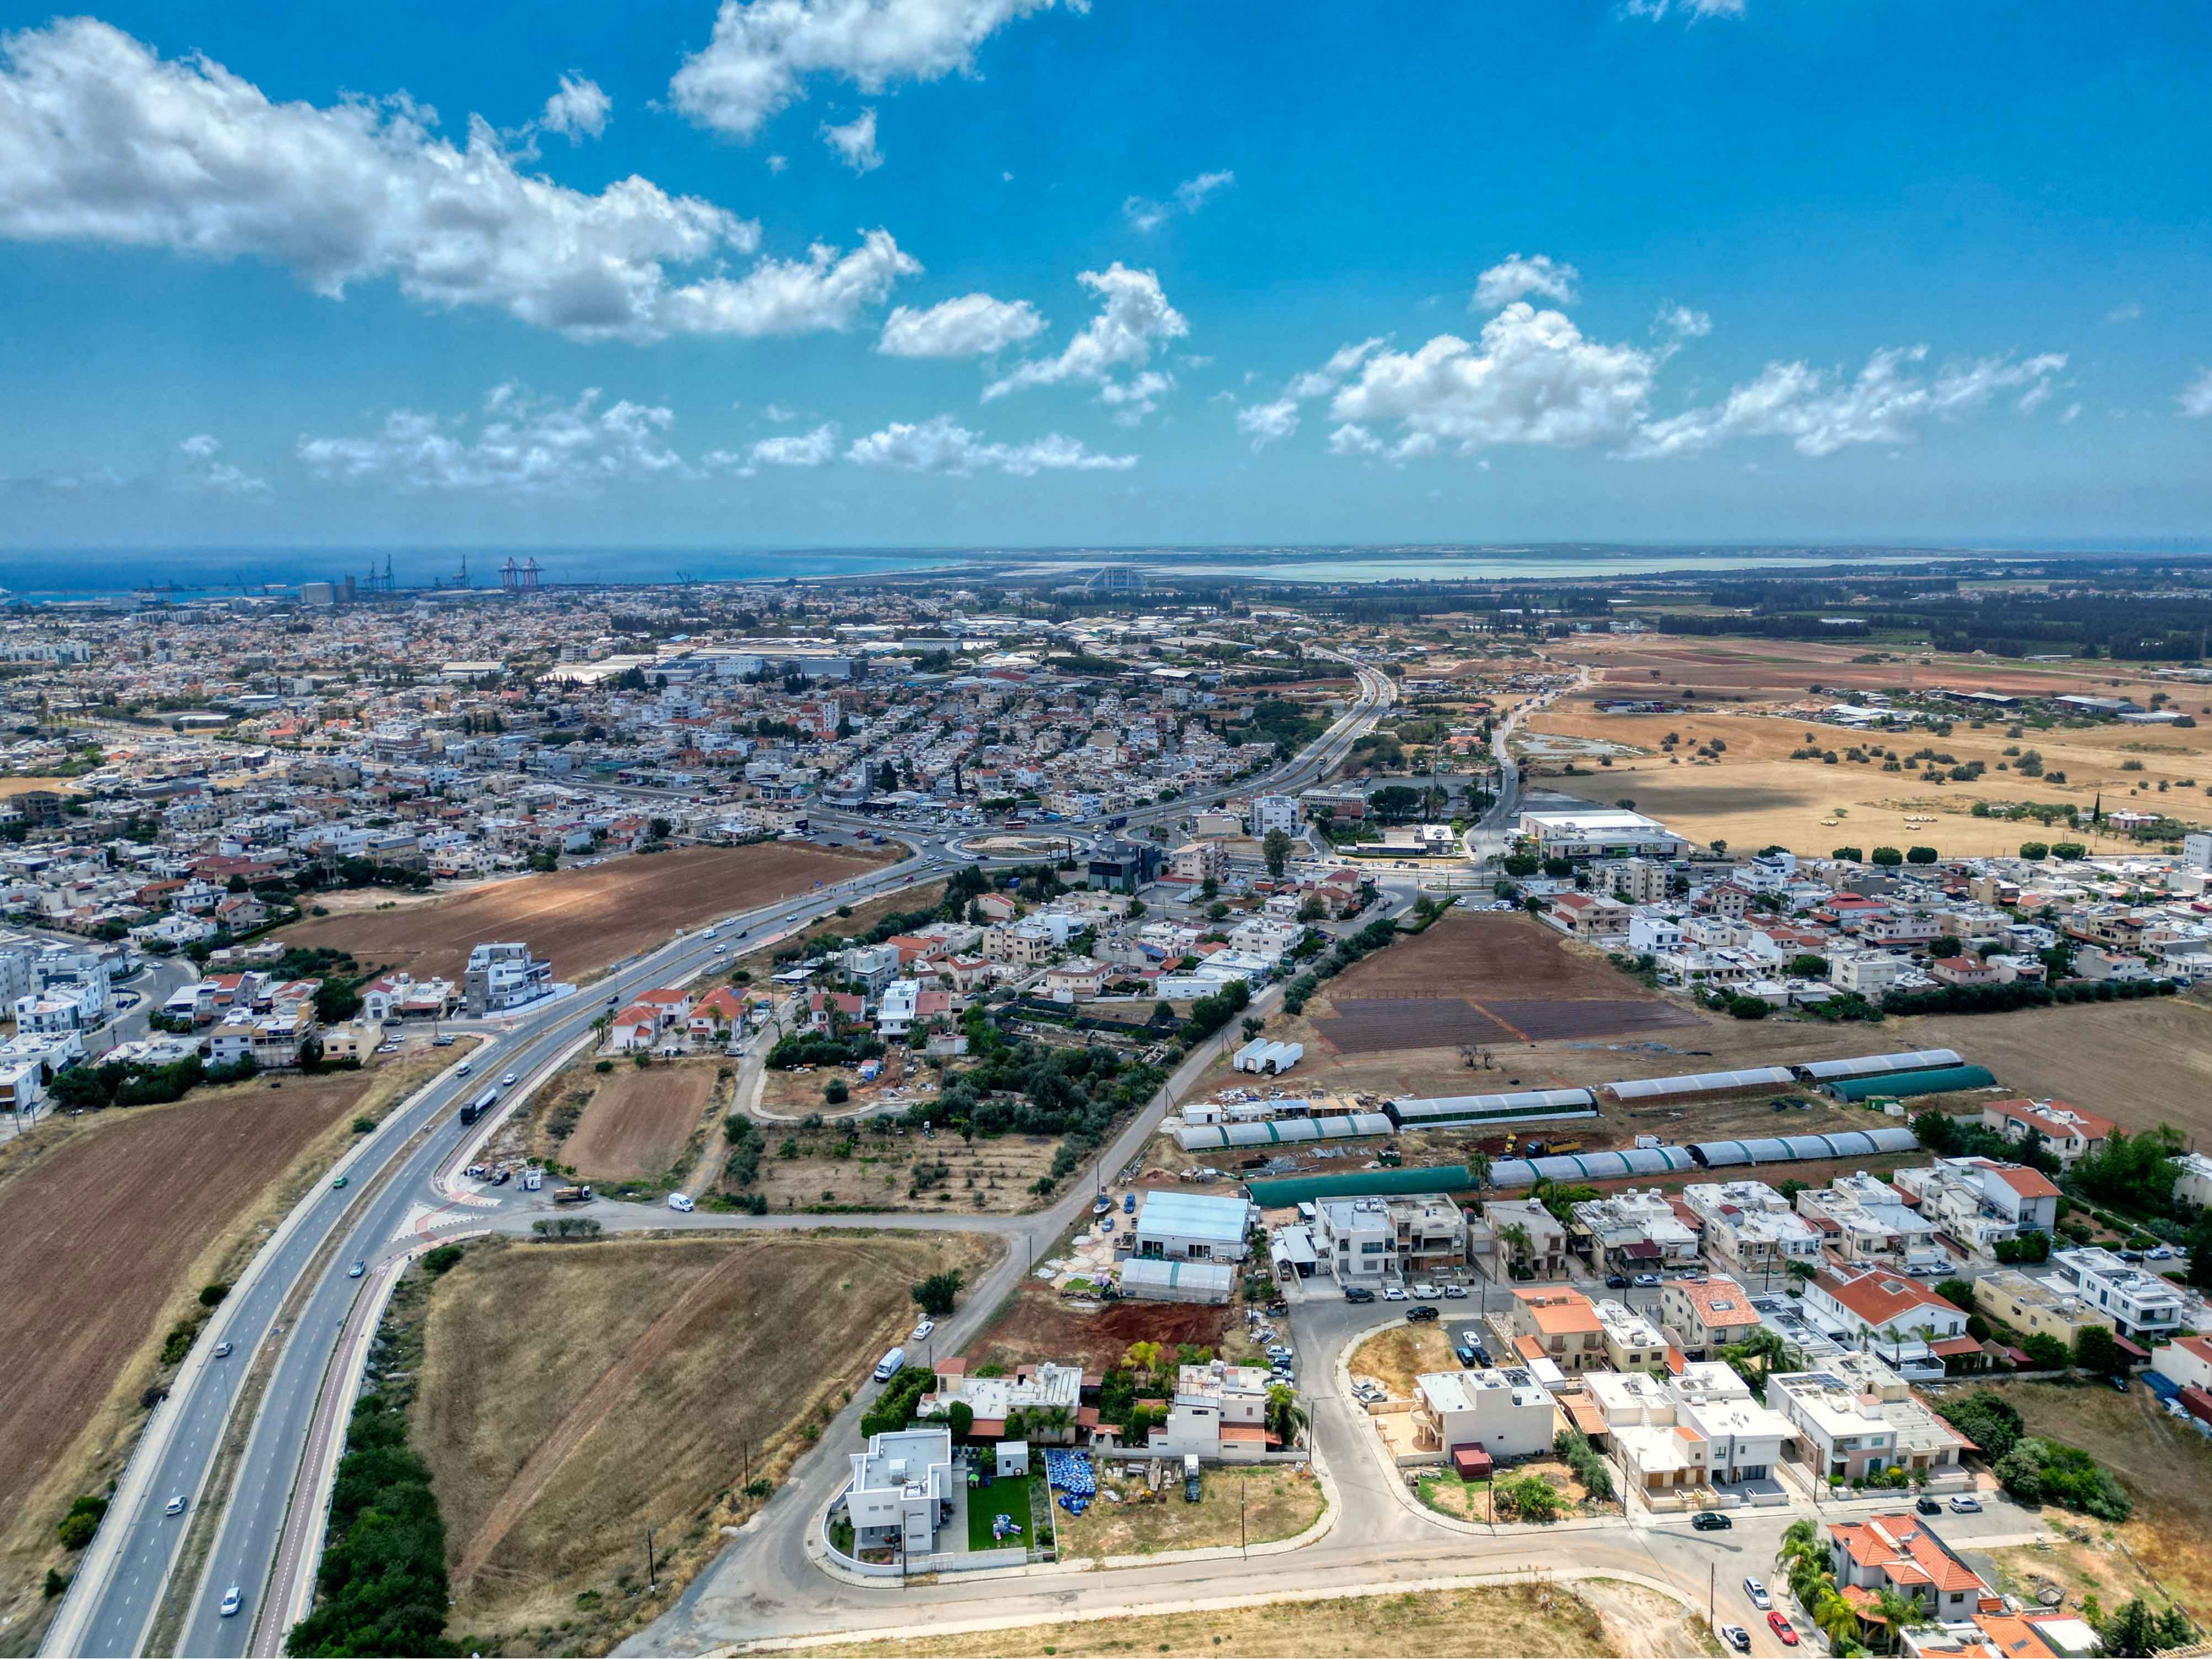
(1883,1307)
(902,1489)
(2145,1308)
(1219,1413)
(1506,1413)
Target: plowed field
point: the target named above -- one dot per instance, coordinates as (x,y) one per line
(638,1122)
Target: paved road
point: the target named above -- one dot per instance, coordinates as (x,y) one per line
(111,1607)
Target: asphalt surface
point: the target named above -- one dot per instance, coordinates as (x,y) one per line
(111,1607)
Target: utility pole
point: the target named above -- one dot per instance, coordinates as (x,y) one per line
(1712,1579)
(1242,1548)
(651,1580)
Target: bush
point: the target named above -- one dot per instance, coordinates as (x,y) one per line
(1986,1418)
(211,1296)
(836,1092)
(76,1530)
(894,1407)
(2045,1353)
(1749,1008)
(382,1585)
(1888,857)
(937,1295)
(2039,1471)
(443,1259)
(1920,855)
(2035,850)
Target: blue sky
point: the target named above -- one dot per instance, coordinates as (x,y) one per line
(1007,272)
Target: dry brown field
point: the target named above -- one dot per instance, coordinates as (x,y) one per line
(1753,795)
(1592,1620)
(2138,1063)
(1249,1506)
(647,1379)
(1036,1324)
(928,897)
(1395,1356)
(638,1123)
(581,920)
(878,1172)
(113,1220)
(2166,1468)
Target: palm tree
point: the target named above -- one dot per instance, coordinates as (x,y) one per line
(1898,1612)
(1836,1618)
(1285,1417)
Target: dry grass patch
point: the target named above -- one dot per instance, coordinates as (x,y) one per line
(643,1123)
(1251,1506)
(1489,1622)
(852,1166)
(1395,1356)
(571,1397)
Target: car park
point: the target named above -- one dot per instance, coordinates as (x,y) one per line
(1711,1520)
(1783,1628)
(1757,1592)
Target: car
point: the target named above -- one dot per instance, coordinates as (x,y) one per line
(1928,1505)
(1647,1281)
(1616,1281)
(1711,1520)
(356,1270)
(232,1600)
(1757,1592)
(2119,1384)
(441,1041)
(888,1366)
(1358,1293)
(1393,1293)
(1425,1292)
(1963,1504)
(175,1505)
(463,1068)
(2163,1252)
(1465,1355)
(1455,1293)
(922,1331)
(338,1185)
(613,1002)
(1736,1637)
(1421,1315)
(508,1081)
(1784,1629)
(721,950)
(222,1350)
(681,1203)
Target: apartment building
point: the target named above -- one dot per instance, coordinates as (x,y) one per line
(1855,1416)
(2143,1307)
(2033,1308)
(1560,1325)
(1544,1252)
(1633,1343)
(1749,1228)
(1864,1220)
(1505,1414)
(1703,1316)
(1372,1239)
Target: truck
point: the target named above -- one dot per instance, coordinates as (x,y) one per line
(482,1103)
(1191,1490)
(533,1180)
(571,1194)
(1119,821)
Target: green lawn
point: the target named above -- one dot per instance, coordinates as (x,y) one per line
(1009,1496)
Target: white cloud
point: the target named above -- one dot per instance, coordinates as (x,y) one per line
(1533,378)
(815,448)
(1146,215)
(1134,318)
(2195,399)
(523,444)
(943,445)
(579,110)
(855,143)
(1885,403)
(1683,323)
(2125,313)
(777,163)
(100,140)
(1267,423)
(1515,278)
(204,471)
(778,413)
(1696,10)
(973,325)
(763,51)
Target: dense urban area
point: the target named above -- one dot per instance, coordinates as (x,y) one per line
(1063,1108)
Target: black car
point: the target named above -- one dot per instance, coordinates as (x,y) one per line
(1616,1281)
(1711,1520)
(1928,1506)
(1358,1293)
(1420,1314)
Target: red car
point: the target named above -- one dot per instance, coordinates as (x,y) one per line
(1784,1629)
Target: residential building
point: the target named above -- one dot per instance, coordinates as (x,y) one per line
(1978,1203)
(505,975)
(2192,1183)
(1884,1308)
(1047,1397)
(2144,1308)
(1545,1252)
(1273,812)
(1588,916)
(1635,1230)
(1856,1417)
(1219,1413)
(1869,973)
(1733,1437)
(2186,1360)
(1750,1228)
(2068,1133)
(1637,881)
(1864,1220)
(1505,1413)
(1375,1238)
(1703,1316)
(2033,1308)
(1560,1325)
(1633,1343)
(902,1489)
(1898,1553)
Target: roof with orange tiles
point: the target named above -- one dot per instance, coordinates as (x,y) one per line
(1719,1301)
(1558,1313)
(2028,1183)
(2055,1117)
(1878,1296)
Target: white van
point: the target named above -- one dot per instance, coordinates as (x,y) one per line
(888,1366)
(681,1204)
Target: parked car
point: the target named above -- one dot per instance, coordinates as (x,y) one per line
(1646,1281)
(2119,1384)
(1757,1592)
(1616,1281)
(1420,1315)
(1963,1504)
(681,1203)
(1393,1293)
(1711,1520)
(1736,1637)
(922,1331)
(1455,1293)
(1784,1629)
(1358,1293)
(1928,1505)
(1425,1292)
(1465,1356)
(888,1366)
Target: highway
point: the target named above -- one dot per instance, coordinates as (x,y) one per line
(392,1177)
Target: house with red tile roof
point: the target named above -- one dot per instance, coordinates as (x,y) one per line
(1898,1553)
(2070,1134)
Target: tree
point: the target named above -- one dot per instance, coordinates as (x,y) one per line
(1853,855)
(1899,1613)
(1285,1418)
(1920,855)
(1958,1293)
(1888,857)
(1276,849)
(936,1295)
(1946,945)
(835,1091)
(2045,1353)
(2137,1630)
(2034,851)
(2095,1349)
(962,1419)
(1808,965)
(2200,1253)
